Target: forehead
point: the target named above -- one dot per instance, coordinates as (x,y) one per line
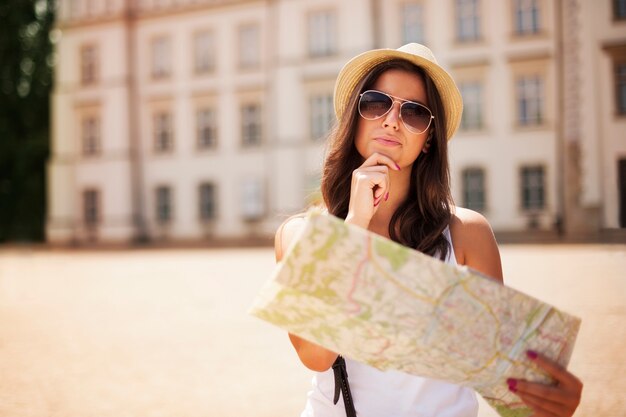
(401,83)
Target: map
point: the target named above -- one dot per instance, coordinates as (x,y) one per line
(392,307)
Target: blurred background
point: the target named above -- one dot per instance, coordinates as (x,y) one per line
(130,125)
(197,120)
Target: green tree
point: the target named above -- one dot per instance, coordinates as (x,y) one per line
(26,64)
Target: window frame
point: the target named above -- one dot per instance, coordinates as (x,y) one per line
(256,210)
(92,211)
(204,61)
(476,18)
(211,125)
(161,57)
(159,146)
(211,214)
(405,38)
(326,44)
(89,64)
(519,27)
(247,125)
(91,146)
(321,114)
(482,191)
(166,216)
(247,60)
(525,189)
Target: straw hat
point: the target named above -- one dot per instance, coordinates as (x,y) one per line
(358,67)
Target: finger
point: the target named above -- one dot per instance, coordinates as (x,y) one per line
(539,390)
(381,169)
(375,181)
(554,405)
(380,159)
(540,407)
(554,369)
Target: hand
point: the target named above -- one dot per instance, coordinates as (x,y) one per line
(370,185)
(560,400)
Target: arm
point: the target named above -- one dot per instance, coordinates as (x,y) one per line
(312,356)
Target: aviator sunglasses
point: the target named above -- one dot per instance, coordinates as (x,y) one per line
(375,104)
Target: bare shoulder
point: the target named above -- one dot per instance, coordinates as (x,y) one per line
(286,232)
(474,242)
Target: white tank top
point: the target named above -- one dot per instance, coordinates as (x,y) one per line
(391,393)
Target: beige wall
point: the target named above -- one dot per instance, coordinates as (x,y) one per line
(288,161)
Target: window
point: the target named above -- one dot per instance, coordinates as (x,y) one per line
(467,20)
(620,87)
(207,202)
(533,188)
(163,204)
(204,52)
(526,17)
(207,128)
(88,64)
(163,140)
(619,9)
(472,118)
(251,133)
(530,100)
(161,57)
(474,189)
(412,23)
(249,47)
(322,115)
(252,207)
(90,133)
(322,34)
(91,207)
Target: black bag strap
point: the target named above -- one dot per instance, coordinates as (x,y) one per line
(342,385)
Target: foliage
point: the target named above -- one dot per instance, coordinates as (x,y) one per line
(26,64)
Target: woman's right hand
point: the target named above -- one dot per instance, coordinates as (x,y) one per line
(370,185)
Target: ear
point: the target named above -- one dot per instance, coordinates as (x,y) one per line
(428,141)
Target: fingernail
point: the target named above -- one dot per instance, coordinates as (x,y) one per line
(387,196)
(531,354)
(377,202)
(512,384)
(398,166)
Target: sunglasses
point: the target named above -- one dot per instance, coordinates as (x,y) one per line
(375,104)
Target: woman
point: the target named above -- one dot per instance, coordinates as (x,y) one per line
(386,170)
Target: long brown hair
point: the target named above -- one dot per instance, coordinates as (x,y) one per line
(421,219)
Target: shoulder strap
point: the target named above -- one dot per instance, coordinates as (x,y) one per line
(342,385)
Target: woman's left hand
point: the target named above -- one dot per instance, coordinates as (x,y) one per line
(560,400)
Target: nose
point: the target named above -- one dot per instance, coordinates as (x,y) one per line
(392,119)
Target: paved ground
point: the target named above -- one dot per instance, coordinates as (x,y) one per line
(165,332)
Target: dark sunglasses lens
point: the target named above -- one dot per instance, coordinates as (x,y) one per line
(374,105)
(416,116)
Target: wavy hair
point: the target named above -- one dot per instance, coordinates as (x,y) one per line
(421,219)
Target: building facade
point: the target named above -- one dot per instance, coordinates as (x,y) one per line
(205,119)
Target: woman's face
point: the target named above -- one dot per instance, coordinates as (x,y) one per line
(388,135)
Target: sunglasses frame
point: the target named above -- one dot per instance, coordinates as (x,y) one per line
(402,102)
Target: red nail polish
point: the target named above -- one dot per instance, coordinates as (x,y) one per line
(377,202)
(512,384)
(531,354)
(387,196)
(398,166)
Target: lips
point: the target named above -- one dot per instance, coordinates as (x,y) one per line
(387,141)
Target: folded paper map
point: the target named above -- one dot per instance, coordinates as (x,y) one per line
(381,303)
